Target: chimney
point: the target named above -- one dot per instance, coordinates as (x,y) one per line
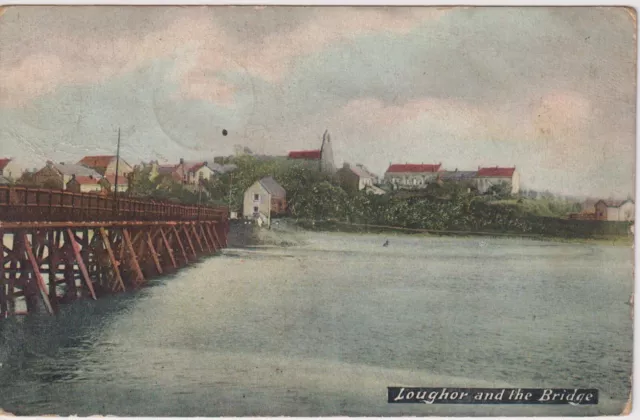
(206,163)
(181,161)
(345,165)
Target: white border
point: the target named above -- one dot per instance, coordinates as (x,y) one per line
(635,413)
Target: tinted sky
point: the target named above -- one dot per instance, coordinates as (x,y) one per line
(549,90)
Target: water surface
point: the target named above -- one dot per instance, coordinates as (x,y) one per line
(324,327)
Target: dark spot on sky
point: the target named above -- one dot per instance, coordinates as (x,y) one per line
(224,132)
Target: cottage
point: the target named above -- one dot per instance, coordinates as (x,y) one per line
(57,175)
(196,172)
(84,184)
(108,182)
(106,165)
(411,175)
(264,198)
(615,210)
(10,169)
(319,158)
(355,178)
(488,177)
(175,172)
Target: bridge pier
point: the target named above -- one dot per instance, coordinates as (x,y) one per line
(46,264)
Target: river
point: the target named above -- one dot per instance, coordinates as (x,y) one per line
(324,326)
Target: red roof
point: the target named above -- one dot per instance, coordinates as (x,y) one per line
(195,167)
(97,161)
(306,154)
(86,180)
(4,163)
(122,180)
(497,172)
(398,167)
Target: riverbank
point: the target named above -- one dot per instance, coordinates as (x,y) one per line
(336,226)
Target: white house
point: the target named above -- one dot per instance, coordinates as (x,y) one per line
(195,172)
(615,210)
(411,175)
(488,177)
(264,198)
(355,178)
(10,169)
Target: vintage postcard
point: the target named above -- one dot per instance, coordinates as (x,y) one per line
(317,211)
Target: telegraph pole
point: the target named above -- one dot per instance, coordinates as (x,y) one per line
(115,187)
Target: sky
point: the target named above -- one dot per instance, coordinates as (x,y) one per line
(549,90)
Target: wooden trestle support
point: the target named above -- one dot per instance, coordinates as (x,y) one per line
(46,264)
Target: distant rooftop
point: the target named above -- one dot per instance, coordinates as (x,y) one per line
(410,167)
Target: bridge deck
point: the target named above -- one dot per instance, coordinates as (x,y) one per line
(20,204)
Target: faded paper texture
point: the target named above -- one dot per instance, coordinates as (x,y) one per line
(368,197)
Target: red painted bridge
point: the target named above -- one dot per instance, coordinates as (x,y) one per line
(59,246)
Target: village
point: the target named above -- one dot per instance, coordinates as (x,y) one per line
(266,198)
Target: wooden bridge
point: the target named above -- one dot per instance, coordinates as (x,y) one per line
(59,246)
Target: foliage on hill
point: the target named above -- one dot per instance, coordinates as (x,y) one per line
(315,196)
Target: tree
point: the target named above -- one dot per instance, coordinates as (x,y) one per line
(500,191)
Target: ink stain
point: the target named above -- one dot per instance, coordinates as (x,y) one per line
(224,132)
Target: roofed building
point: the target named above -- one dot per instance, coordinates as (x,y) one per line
(196,172)
(10,169)
(490,176)
(264,198)
(356,177)
(109,181)
(322,157)
(106,165)
(615,210)
(84,184)
(409,175)
(57,175)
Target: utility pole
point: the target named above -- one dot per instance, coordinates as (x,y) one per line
(230,184)
(115,187)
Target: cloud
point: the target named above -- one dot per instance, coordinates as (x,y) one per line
(551,90)
(200,47)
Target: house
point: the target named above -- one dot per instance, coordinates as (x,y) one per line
(10,169)
(4,180)
(319,158)
(264,198)
(108,182)
(488,177)
(355,178)
(465,178)
(615,210)
(106,165)
(175,172)
(410,175)
(84,184)
(196,172)
(57,175)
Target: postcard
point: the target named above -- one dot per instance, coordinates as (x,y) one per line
(317,211)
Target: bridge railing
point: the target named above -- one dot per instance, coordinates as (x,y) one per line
(20,204)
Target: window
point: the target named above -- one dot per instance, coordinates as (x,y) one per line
(256,197)
(255,209)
